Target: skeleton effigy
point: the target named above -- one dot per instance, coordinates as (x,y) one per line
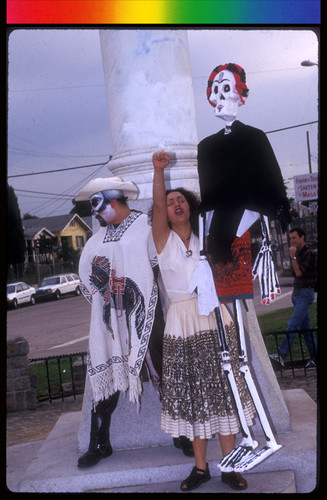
(240,182)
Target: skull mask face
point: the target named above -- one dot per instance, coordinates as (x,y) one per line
(101,207)
(224,96)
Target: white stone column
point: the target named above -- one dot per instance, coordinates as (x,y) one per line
(150,104)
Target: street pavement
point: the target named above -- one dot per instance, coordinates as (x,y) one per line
(61,327)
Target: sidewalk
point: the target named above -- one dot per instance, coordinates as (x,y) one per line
(281,301)
(34,425)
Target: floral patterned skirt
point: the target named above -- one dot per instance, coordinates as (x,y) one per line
(196,400)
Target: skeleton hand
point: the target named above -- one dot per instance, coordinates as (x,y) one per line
(264,268)
(202,281)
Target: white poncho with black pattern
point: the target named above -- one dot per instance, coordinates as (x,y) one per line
(117,279)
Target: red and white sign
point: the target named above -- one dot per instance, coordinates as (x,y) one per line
(306,187)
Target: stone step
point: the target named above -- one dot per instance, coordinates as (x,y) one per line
(54,468)
(156,469)
(265,482)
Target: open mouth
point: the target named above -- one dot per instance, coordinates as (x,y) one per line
(179,211)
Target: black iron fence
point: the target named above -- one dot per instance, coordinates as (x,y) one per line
(298,357)
(64,376)
(58,376)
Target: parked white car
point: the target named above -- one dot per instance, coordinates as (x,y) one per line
(20,293)
(56,286)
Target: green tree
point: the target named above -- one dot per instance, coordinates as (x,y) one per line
(29,216)
(15,233)
(82,208)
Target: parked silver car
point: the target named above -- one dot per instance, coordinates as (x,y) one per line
(20,293)
(58,285)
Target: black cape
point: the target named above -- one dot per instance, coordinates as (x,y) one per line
(238,171)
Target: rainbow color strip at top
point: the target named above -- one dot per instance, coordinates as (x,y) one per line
(163,11)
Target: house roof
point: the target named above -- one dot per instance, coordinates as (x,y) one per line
(34,232)
(53,224)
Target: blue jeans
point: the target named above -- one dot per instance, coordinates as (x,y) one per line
(302,299)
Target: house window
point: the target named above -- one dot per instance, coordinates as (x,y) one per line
(79,241)
(73,223)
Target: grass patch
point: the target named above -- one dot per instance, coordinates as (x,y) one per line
(276,321)
(51,375)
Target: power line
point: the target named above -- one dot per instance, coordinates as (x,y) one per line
(47,204)
(61,169)
(110,156)
(292,126)
(43,192)
(40,154)
(59,88)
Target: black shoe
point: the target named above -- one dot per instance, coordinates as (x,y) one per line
(197,477)
(184,444)
(234,480)
(277,358)
(93,456)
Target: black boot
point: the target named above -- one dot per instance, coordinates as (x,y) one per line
(99,446)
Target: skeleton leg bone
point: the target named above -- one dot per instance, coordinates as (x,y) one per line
(227,464)
(272,446)
(244,453)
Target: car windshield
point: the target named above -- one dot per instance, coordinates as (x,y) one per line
(10,288)
(50,281)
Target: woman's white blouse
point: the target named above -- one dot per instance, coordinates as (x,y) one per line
(177,266)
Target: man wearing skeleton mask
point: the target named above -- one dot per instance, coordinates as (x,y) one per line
(117,269)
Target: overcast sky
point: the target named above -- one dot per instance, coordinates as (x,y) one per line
(57,109)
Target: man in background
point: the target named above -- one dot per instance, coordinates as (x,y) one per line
(304,264)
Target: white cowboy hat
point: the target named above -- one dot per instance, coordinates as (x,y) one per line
(118,187)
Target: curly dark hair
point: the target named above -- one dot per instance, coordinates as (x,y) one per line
(193,202)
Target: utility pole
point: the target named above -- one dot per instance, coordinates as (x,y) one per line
(309,155)
(37,256)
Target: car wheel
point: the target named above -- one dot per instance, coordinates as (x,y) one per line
(78,291)
(32,300)
(15,304)
(57,294)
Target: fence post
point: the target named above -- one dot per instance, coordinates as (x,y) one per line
(21,394)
